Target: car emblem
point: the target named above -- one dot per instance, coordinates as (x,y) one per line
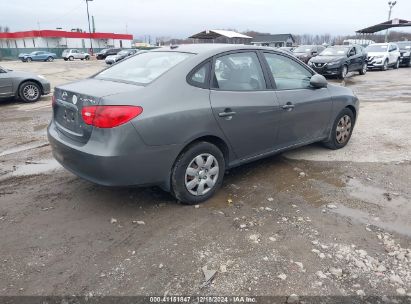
(64,95)
(74,99)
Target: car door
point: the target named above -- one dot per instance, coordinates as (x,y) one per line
(352,60)
(245,108)
(306,110)
(360,56)
(392,54)
(75,54)
(6,84)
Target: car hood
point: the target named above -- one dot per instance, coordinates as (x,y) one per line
(98,88)
(372,54)
(327,59)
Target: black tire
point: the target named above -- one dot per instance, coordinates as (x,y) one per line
(397,65)
(71,58)
(28,59)
(332,142)
(178,175)
(81,59)
(343,72)
(87,58)
(363,70)
(50,59)
(65,59)
(23,93)
(385,66)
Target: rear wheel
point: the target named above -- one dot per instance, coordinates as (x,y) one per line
(344,72)
(363,70)
(197,173)
(29,91)
(341,130)
(397,64)
(65,59)
(50,59)
(71,58)
(87,58)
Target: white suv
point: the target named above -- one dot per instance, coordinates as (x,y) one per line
(72,54)
(383,55)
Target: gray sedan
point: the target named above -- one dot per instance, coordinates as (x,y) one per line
(179,117)
(24,85)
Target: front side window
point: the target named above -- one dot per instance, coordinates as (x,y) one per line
(352,52)
(143,68)
(288,74)
(238,72)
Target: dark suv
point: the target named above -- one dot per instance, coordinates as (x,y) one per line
(405,51)
(306,52)
(107,52)
(338,60)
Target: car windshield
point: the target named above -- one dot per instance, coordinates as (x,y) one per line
(377,48)
(404,45)
(143,68)
(303,49)
(334,51)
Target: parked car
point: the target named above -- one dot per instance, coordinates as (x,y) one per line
(107,52)
(71,54)
(37,56)
(120,56)
(339,60)
(27,86)
(306,52)
(405,53)
(180,117)
(383,55)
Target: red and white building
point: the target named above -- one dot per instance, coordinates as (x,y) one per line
(57,39)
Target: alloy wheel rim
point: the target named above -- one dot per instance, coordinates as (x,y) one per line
(31,92)
(364,68)
(201,174)
(344,73)
(344,128)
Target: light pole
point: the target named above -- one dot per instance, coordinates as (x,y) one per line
(89,27)
(391,4)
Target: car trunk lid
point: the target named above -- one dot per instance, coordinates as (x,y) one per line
(70,99)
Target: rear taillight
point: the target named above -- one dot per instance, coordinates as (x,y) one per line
(109,116)
(53,100)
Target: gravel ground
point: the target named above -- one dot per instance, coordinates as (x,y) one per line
(310,222)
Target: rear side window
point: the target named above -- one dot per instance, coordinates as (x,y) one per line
(238,72)
(199,77)
(143,68)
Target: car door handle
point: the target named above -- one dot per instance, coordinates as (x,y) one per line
(226,113)
(289,106)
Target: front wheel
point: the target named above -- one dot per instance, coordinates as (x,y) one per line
(29,91)
(385,66)
(363,70)
(341,130)
(344,72)
(197,173)
(87,58)
(397,64)
(28,59)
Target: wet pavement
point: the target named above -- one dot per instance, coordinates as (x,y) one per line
(307,222)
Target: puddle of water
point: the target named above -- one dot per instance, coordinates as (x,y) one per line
(394,224)
(23,148)
(39,167)
(375,195)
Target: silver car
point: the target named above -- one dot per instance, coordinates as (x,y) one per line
(180,117)
(24,85)
(71,54)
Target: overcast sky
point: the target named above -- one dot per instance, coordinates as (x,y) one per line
(181,18)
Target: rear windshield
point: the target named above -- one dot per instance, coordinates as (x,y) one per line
(377,48)
(143,68)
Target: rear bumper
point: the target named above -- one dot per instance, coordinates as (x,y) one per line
(118,159)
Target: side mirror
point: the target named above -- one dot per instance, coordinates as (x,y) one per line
(318,81)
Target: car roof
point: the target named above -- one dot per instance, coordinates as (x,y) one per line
(207,48)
